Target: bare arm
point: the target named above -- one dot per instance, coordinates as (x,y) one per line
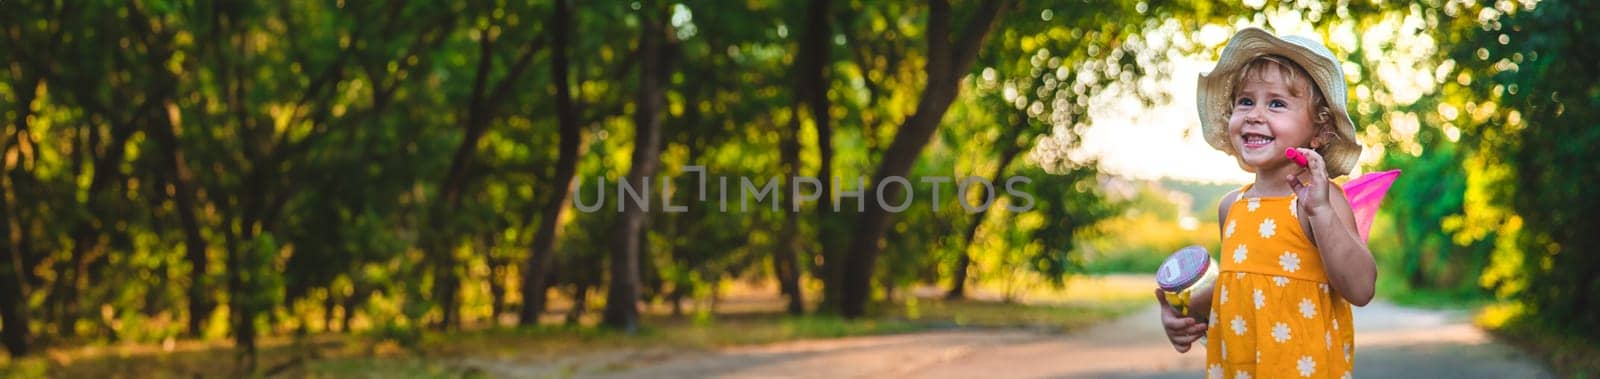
(1351,269)
(1200,299)
(1183,330)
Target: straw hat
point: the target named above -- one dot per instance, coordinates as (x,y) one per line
(1215,92)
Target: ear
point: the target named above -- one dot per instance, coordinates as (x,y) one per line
(1323,120)
(1323,138)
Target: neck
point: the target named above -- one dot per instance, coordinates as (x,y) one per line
(1270,180)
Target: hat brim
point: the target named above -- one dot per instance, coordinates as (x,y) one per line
(1215,90)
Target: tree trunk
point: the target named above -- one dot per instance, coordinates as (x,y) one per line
(14,331)
(580,300)
(829,229)
(623,292)
(811,89)
(481,108)
(357,295)
(445,280)
(13,317)
(783,259)
(676,298)
(179,176)
(946,63)
(958,283)
(242,315)
(329,304)
(497,277)
(86,233)
(13,314)
(234,88)
(536,271)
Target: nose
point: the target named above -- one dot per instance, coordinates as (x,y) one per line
(1253,115)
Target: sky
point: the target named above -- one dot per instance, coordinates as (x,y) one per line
(1164,140)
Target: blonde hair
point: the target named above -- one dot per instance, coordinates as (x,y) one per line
(1298,80)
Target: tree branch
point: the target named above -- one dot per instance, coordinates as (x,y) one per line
(972,35)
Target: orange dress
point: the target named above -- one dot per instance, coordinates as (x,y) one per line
(1273,314)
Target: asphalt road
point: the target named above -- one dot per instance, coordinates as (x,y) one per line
(1392,342)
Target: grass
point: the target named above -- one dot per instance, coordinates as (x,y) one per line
(1564,350)
(1130,260)
(213,358)
(1456,299)
(746,316)
(1568,355)
(1393,287)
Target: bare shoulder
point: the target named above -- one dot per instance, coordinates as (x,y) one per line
(1223,205)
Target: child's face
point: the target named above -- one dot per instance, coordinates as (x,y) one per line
(1270,114)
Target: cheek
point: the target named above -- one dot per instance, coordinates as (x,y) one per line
(1235,123)
(1294,129)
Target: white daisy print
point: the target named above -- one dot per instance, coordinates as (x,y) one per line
(1280,281)
(1307,308)
(1214,372)
(1289,261)
(1280,332)
(1345,376)
(1229,232)
(1327,340)
(1346,352)
(1238,325)
(1255,202)
(1335,324)
(1324,287)
(1224,349)
(1241,375)
(1294,207)
(1307,366)
(1261,299)
(1239,254)
(1268,228)
(1223,298)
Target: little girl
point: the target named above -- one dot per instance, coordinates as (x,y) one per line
(1292,262)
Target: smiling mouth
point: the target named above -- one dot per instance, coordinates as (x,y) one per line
(1253,140)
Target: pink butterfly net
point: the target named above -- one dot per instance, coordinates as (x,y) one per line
(1365,194)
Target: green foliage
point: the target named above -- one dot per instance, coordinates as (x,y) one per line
(406,337)
(1069,207)
(1534,127)
(379,166)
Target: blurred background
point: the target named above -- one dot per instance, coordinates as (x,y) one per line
(330,188)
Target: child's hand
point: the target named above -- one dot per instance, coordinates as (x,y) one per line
(1181,331)
(1311,183)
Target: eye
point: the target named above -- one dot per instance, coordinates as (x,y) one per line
(1277,104)
(1245,102)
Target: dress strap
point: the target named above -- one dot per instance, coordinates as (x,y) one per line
(1242,190)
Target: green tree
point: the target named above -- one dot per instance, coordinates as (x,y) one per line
(1532,127)
(623,291)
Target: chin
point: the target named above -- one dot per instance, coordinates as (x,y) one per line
(1257,159)
(1253,157)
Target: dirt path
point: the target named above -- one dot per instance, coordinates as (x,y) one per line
(1392,341)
